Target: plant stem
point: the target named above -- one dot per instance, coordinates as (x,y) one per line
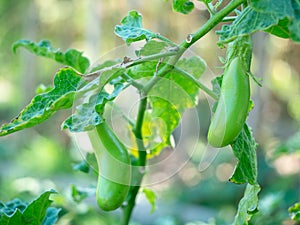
(212,22)
(209,8)
(138,171)
(135,84)
(198,83)
(97,73)
(163,38)
(171,52)
(209,25)
(229,19)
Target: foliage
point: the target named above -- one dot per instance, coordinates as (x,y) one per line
(280,18)
(168,84)
(295,212)
(37,212)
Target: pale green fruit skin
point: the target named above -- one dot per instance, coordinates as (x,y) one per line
(232,109)
(114,175)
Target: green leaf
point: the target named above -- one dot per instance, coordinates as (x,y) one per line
(14,219)
(295,212)
(43,106)
(244,149)
(195,66)
(78,195)
(35,213)
(173,94)
(131,29)
(216,84)
(42,89)
(51,216)
(280,29)
(151,197)
(248,205)
(71,57)
(168,98)
(85,116)
(88,115)
(83,166)
(183,6)
(281,18)
(109,75)
(169,116)
(151,47)
(145,70)
(88,163)
(106,64)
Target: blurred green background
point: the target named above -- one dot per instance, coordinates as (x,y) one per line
(42,157)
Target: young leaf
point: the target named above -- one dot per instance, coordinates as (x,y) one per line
(295,212)
(88,163)
(78,195)
(71,57)
(244,149)
(43,106)
(216,84)
(131,29)
(151,197)
(248,205)
(183,6)
(82,166)
(281,17)
(88,115)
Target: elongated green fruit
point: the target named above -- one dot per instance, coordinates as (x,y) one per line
(114,167)
(232,108)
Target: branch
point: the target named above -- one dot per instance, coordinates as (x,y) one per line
(209,25)
(127,63)
(134,189)
(198,83)
(192,38)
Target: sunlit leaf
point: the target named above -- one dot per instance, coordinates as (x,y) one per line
(295,212)
(71,57)
(151,197)
(151,47)
(87,115)
(183,6)
(78,195)
(131,29)
(170,96)
(43,106)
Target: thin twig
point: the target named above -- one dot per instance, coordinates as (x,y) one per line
(198,83)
